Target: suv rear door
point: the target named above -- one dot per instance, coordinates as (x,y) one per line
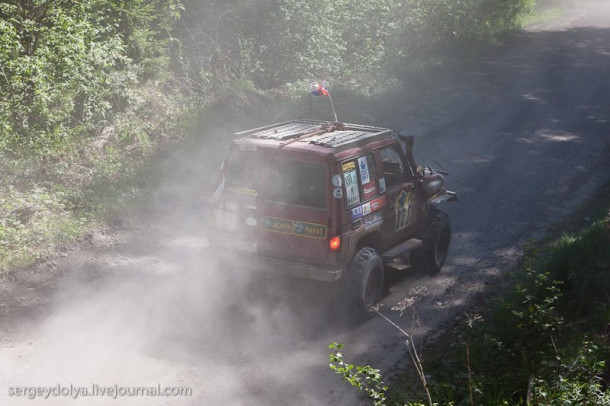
(294,209)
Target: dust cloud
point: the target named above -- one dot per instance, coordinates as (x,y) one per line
(151,314)
(154,308)
(572,14)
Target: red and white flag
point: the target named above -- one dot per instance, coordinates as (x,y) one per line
(319,89)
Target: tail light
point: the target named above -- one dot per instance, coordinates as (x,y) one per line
(335,243)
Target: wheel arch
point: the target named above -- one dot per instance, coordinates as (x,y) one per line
(372,239)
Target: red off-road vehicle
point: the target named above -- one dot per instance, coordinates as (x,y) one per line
(330,201)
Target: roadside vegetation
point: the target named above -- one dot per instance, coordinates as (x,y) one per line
(92,92)
(543,340)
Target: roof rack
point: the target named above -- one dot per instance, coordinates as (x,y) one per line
(286,130)
(323,133)
(340,138)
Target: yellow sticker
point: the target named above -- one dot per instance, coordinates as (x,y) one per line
(348,166)
(243,191)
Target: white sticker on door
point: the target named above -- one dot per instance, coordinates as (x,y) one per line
(351,187)
(364,170)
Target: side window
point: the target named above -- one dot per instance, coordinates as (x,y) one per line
(393,167)
(360,179)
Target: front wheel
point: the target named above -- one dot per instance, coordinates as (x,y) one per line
(431,256)
(363,285)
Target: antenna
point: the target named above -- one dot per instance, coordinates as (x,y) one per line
(322,90)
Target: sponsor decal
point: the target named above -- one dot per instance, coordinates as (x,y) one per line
(366,209)
(351,187)
(298,228)
(378,203)
(364,170)
(356,224)
(348,166)
(276,224)
(402,206)
(373,220)
(337,182)
(310,230)
(369,190)
(357,212)
(382,185)
(337,193)
(243,191)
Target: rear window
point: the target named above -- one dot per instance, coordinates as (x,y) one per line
(294,182)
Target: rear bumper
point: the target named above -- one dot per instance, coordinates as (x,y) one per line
(259,263)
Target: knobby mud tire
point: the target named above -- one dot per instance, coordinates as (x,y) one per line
(430,257)
(362,286)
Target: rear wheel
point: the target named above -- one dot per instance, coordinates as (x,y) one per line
(363,285)
(431,256)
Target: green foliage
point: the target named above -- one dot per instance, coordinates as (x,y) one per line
(33,222)
(56,72)
(545,340)
(576,381)
(582,263)
(365,378)
(67,66)
(356,43)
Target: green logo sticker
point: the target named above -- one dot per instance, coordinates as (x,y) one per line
(309,230)
(298,228)
(276,224)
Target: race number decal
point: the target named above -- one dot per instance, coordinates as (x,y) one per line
(402,207)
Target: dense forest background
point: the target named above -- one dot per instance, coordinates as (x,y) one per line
(68,67)
(91,91)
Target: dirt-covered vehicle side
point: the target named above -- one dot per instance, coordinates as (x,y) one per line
(335,202)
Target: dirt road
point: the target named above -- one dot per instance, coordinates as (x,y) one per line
(526,135)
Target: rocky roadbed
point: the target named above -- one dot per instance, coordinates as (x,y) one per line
(524,131)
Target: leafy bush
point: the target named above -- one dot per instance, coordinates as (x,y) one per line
(365,378)
(274,42)
(545,341)
(33,222)
(68,66)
